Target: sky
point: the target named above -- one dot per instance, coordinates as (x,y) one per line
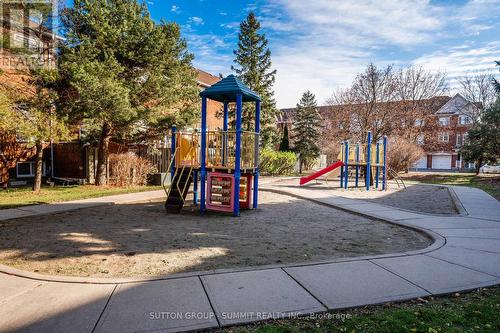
(320,45)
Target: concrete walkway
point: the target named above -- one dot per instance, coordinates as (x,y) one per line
(465,255)
(12,213)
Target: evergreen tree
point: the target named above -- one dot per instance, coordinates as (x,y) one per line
(125,76)
(285,141)
(496,84)
(306,129)
(254,60)
(483,145)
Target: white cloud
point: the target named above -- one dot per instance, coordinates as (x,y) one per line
(328,42)
(175,9)
(321,45)
(210,52)
(230,25)
(196,20)
(462,60)
(397,22)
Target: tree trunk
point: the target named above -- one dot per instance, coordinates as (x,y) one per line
(37,183)
(478,165)
(102,156)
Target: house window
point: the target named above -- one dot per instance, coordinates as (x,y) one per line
(464,120)
(444,121)
(443,137)
(459,140)
(420,139)
(26,169)
(465,138)
(469,165)
(21,40)
(419,122)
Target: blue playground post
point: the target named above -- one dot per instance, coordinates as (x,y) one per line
(384,173)
(237,157)
(172,152)
(377,161)
(224,135)
(342,167)
(226,117)
(256,173)
(195,188)
(346,167)
(368,160)
(203,168)
(357,164)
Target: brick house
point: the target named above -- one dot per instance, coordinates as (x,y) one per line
(23,42)
(205,80)
(441,145)
(448,119)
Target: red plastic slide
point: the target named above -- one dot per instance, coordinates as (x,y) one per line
(307,179)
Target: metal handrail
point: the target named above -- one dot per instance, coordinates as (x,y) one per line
(172,159)
(396,177)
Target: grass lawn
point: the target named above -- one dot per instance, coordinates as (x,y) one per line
(488,183)
(18,197)
(478,311)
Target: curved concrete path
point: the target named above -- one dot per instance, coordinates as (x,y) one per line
(465,255)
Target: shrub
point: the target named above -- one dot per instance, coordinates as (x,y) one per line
(277,162)
(127,169)
(402,155)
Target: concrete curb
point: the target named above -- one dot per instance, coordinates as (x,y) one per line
(438,241)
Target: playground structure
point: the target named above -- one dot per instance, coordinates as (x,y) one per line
(370,158)
(224,163)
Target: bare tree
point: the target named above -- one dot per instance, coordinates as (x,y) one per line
(368,103)
(476,87)
(417,92)
(394,102)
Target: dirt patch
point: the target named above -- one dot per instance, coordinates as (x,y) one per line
(142,240)
(419,198)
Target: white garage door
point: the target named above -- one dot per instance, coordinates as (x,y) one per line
(422,163)
(441,161)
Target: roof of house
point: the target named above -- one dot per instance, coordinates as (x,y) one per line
(228,88)
(457,104)
(206,79)
(286,115)
(33,27)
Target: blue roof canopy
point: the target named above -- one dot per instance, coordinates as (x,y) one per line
(226,90)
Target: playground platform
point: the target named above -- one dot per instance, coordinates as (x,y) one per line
(465,255)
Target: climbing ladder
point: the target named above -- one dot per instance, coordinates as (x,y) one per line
(179,186)
(179,189)
(397,179)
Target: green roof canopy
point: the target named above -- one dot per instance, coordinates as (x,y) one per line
(226,90)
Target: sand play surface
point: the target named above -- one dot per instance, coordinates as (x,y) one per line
(142,240)
(429,199)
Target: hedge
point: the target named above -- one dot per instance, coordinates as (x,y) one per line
(277,162)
